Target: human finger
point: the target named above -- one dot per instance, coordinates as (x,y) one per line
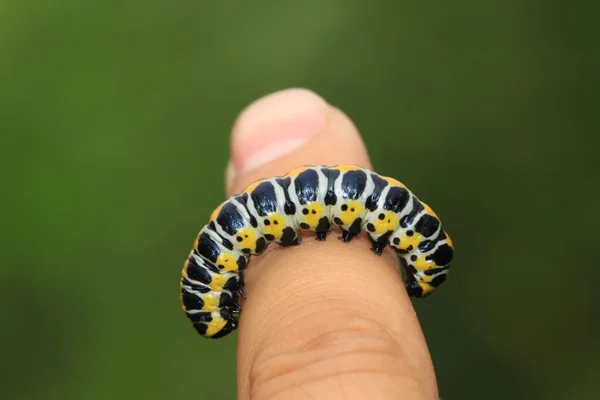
(323,319)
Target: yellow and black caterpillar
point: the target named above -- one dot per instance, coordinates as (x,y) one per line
(309,198)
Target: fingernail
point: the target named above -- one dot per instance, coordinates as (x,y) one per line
(276,125)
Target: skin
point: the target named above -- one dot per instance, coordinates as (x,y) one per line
(323,320)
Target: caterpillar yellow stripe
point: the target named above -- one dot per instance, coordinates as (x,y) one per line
(312,198)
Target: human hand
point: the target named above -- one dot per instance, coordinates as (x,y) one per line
(323,320)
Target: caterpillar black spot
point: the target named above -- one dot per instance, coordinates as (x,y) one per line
(312,198)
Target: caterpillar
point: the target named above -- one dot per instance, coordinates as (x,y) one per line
(312,198)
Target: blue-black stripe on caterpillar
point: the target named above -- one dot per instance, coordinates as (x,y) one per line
(313,198)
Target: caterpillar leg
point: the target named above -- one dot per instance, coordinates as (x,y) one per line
(240,288)
(321,236)
(289,237)
(235,312)
(293,242)
(377,247)
(346,236)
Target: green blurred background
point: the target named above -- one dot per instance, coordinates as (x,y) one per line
(114,121)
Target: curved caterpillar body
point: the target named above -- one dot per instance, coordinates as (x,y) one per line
(311,198)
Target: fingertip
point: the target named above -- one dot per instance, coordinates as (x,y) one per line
(289,129)
(287,307)
(275,125)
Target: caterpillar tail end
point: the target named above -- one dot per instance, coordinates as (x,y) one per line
(420,289)
(216,331)
(417,289)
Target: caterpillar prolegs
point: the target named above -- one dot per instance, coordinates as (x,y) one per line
(313,198)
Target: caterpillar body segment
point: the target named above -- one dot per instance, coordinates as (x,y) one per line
(313,198)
